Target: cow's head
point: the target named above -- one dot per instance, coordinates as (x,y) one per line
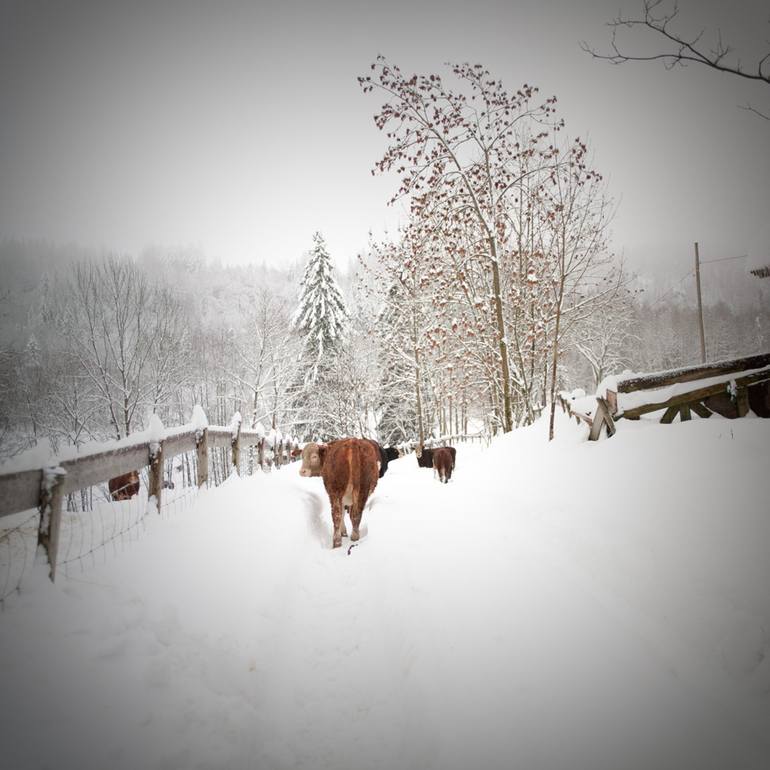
(312,459)
(418,451)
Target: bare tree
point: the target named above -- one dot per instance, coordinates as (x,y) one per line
(168,363)
(264,354)
(126,336)
(464,148)
(576,249)
(679,48)
(400,285)
(606,339)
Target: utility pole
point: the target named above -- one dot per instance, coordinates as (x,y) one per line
(700,307)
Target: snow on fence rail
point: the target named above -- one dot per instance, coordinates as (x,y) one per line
(71,510)
(458,438)
(729,388)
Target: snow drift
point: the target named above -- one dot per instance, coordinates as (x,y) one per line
(573,605)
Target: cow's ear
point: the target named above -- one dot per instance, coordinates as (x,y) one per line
(322,452)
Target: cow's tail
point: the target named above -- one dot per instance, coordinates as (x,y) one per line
(354,474)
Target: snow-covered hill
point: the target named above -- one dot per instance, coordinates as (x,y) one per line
(574,605)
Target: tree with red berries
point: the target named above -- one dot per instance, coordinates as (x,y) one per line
(468,150)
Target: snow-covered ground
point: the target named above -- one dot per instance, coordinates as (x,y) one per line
(574,605)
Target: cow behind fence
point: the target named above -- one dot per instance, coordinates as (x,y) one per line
(102,498)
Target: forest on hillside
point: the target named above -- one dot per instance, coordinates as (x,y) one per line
(93,343)
(502,288)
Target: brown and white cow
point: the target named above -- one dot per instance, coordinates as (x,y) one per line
(349,468)
(124,487)
(312,456)
(443,463)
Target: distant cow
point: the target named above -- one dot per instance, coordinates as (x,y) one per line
(392,453)
(382,456)
(443,463)
(124,487)
(425,456)
(349,471)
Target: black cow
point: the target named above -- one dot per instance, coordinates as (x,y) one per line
(392,453)
(424,457)
(381,456)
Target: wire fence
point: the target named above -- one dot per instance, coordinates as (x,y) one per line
(104,504)
(98,520)
(18,544)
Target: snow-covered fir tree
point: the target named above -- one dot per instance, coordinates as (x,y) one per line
(321,316)
(321,321)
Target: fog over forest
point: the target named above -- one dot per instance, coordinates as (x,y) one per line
(385,384)
(226,319)
(540,237)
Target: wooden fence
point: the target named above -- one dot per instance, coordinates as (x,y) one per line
(728,388)
(47,488)
(461,438)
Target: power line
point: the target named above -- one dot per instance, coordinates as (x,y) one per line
(673,288)
(692,272)
(723,259)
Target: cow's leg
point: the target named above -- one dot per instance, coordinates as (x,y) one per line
(345,509)
(338,520)
(356,511)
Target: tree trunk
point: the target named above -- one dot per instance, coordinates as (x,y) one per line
(555,359)
(501,338)
(420,429)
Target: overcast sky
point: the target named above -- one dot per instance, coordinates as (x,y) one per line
(239,128)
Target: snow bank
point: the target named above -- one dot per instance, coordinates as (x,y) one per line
(563,605)
(235,425)
(198,420)
(153,434)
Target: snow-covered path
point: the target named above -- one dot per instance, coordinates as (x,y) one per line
(531,614)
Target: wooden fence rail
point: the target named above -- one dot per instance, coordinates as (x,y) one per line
(729,388)
(457,438)
(49,490)
(46,488)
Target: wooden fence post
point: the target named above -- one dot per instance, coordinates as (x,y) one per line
(236,446)
(742,401)
(202,451)
(601,419)
(50,514)
(155,486)
(261,454)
